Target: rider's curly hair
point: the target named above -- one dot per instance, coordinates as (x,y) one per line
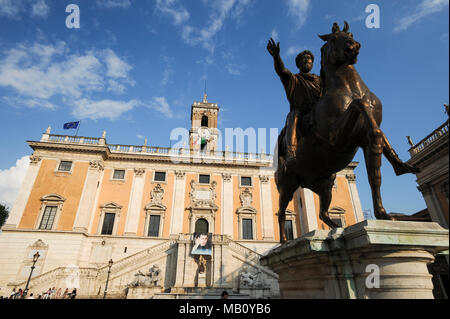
(297,59)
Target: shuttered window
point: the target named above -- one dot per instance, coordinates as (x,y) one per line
(153,227)
(48,217)
(247,228)
(288,229)
(108,223)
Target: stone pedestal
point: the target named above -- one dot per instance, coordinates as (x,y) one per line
(256,293)
(371,259)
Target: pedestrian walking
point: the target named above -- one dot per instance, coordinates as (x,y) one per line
(65,294)
(13,294)
(47,294)
(53,293)
(58,294)
(73,294)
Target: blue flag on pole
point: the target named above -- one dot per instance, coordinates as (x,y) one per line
(70,125)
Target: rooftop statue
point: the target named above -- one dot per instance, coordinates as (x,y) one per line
(330,118)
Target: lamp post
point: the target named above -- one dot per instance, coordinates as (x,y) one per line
(35,259)
(110,263)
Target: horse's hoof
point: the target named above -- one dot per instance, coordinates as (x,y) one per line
(382,215)
(328,221)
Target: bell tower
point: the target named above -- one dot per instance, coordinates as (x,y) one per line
(203,135)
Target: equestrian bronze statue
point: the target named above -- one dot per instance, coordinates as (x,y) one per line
(345,117)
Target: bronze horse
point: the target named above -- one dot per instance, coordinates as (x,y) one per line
(347,116)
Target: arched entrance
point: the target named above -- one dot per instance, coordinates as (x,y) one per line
(201,226)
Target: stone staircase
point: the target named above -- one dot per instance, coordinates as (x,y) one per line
(91,280)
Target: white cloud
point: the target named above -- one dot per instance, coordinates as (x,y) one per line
(230,64)
(34,72)
(294,50)
(39,72)
(425,8)
(168,71)
(111,4)
(220,11)
(10,8)
(109,109)
(274,35)
(116,87)
(40,9)
(116,67)
(159,104)
(172,8)
(14,8)
(11,180)
(166,75)
(28,102)
(298,9)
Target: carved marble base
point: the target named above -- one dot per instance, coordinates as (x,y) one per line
(256,293)
(373,259)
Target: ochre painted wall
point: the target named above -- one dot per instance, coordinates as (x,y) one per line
(67,185)
(341,198)
(117,192)
(166,201)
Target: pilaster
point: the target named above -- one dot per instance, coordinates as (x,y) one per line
(134,208)
(24,192)
(90,190)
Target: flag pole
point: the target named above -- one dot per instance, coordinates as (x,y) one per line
(79,124)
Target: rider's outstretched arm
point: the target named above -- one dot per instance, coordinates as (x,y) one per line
(274,50)
(282,72)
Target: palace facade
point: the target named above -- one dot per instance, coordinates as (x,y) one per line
(85,202)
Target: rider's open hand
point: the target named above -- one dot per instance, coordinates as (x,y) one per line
(274,49)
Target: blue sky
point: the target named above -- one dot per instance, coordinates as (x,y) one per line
(133,68)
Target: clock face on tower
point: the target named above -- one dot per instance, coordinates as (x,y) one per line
(204,133)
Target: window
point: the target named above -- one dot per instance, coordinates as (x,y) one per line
(203,179)
(246,181)
(247,228)
(153,228)
(48,217)
(201,226)
(288,229)
(160,177)
(65,166)
(108,223)
(337,215)
(204,120)
(119,174)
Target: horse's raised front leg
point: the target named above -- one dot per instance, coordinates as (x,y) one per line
(323,188)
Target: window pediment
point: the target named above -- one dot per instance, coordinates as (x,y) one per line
(52,198)
(155,206)
(246,210)
(112,206)
(337,210)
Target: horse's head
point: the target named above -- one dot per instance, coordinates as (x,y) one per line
(340,47)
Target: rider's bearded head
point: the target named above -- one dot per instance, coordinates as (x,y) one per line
(304,61)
